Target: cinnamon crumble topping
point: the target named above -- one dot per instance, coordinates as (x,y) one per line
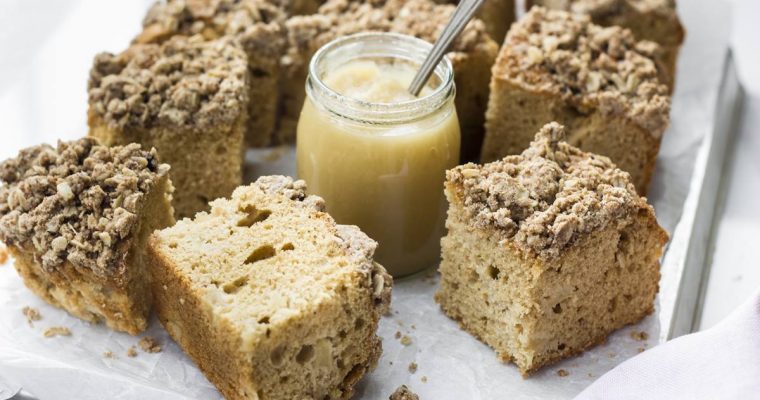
(184,82)
(403,393)
(543,199)
(31,314)
(422,19)
(209,18)
(590,66)
(78,202)
(149,345)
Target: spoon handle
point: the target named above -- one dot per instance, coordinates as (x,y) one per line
(462,15)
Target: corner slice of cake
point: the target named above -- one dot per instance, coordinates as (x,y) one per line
(269,296)
(188,98)
(77,218)
(655,20)
(255,24)
(472,54)
(547,252)
(600,83)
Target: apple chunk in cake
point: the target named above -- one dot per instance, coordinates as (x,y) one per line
(547,252)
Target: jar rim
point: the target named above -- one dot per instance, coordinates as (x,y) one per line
(396,45)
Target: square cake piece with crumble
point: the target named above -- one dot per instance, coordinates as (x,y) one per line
(560,251)
(77,218)
(186,97)
(605,87)
(269,296)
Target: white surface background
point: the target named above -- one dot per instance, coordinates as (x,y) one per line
(36,107)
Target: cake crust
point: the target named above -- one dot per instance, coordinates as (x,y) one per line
(76,219)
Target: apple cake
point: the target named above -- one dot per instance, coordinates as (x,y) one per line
(497,15)
(655,20)
(269,296)
(472,54)
(600,83)
(561,251)
(186,97)
(77,219)
(255,24)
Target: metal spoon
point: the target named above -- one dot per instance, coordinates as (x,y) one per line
(462,15)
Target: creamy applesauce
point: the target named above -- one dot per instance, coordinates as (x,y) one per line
(378,155)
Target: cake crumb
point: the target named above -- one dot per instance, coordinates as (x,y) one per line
(32,314)
(406,340)
(397,335)
(56,331)
(403,393)
(412,367)
(424,379)
(108,354)
(641,349)
(640,336)
(563,373)
(132,352)
(149,345)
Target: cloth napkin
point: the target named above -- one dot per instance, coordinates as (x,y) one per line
(722,362)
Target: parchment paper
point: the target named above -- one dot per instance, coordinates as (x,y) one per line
(451,363)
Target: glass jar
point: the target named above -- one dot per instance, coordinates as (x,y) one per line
(381,165)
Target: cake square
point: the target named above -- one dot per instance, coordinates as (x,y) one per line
(186,97)
(561,251)
(472,54)
(600,83)
(77,218)
(269,296)
(255,24)
(654,20)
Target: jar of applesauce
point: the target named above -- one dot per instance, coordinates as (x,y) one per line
(377,154)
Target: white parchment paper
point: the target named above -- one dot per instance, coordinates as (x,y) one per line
(451,363)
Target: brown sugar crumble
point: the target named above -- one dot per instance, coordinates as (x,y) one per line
(591,66)
(546,197)
(406,340)
(403,393)
(32,314)
(397,335)
(563,373)
(132,352)
(424,379)
(211,19)
(77,202)
(412,367)
(639,335)
(108,354)
(56,331)
(183,82)
(149,345)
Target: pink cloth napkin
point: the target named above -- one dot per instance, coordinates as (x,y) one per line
(722,362)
